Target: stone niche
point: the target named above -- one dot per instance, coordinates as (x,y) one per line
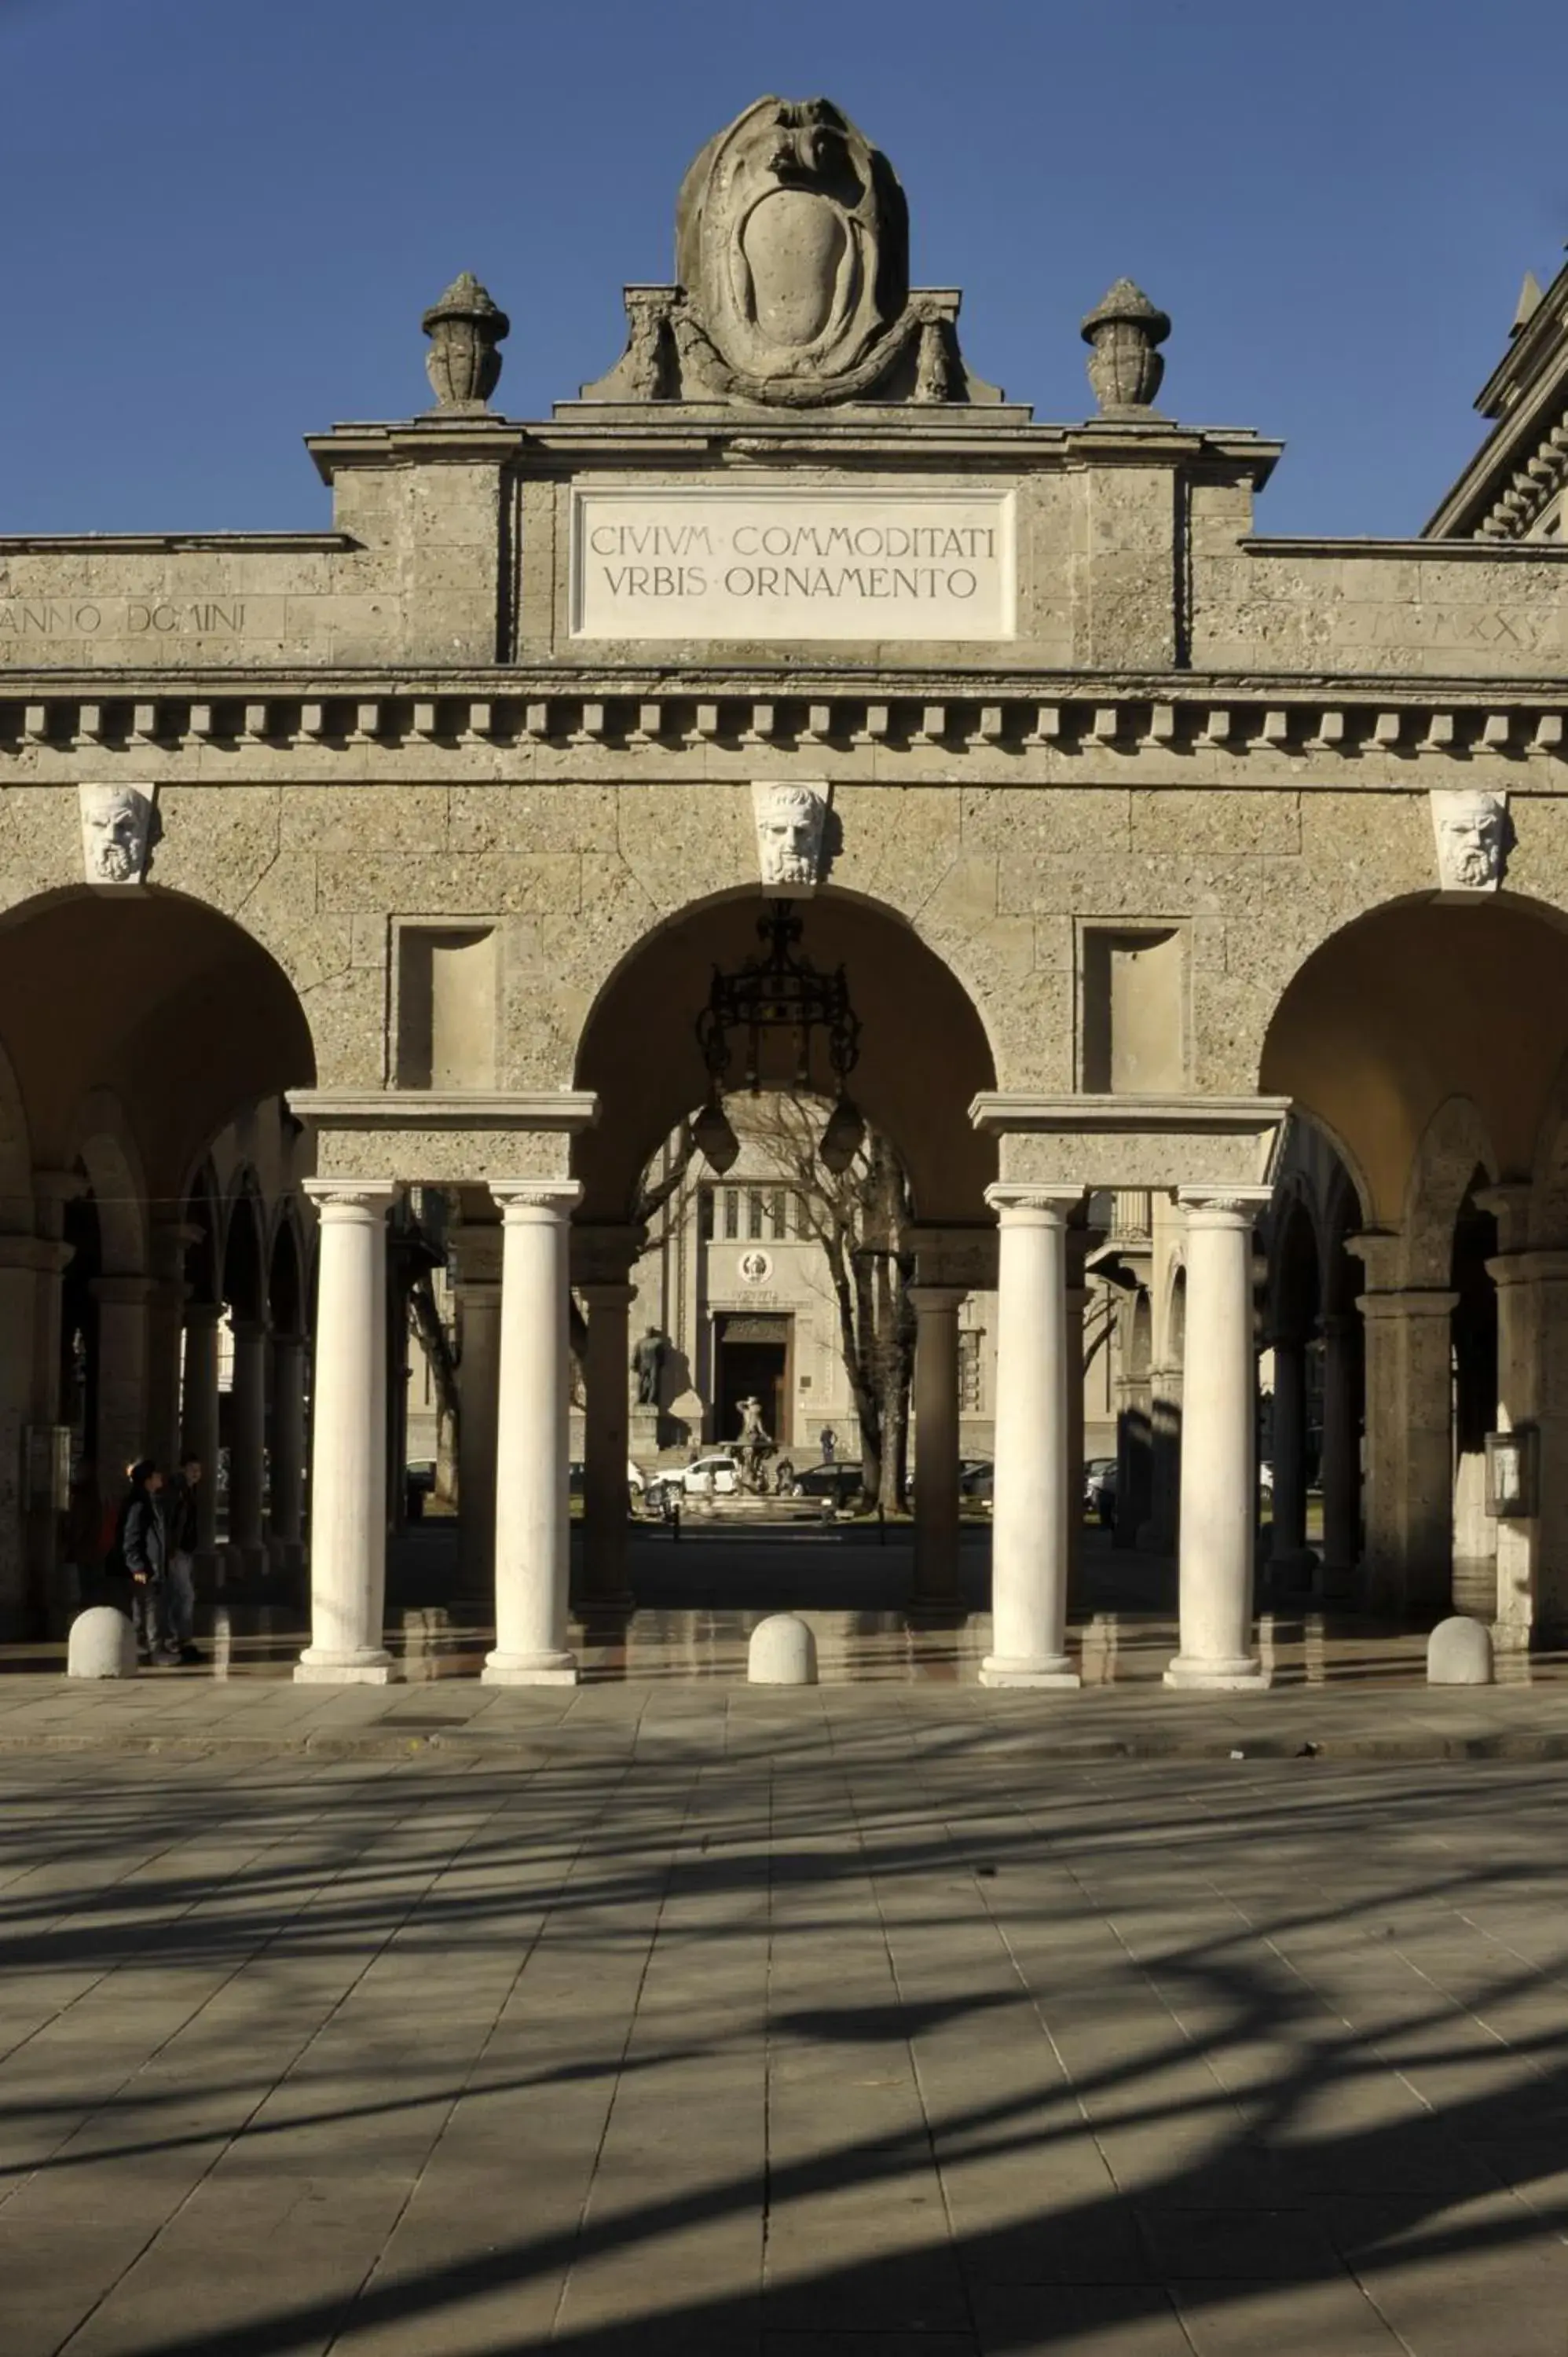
(445,1020)
(1134,998)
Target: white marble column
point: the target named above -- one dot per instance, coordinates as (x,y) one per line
(1341,1469)
(936,1586)
(607,1428)
(199,1415)
(1218,1444)
(533,1530)
(348,1487)
(1029,1546)
(286,1518)
(247,1445)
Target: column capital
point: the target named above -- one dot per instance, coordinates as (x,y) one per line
(1548,1263)
(532,1201)
(1223,1206)
(603,1253)
(601,1294)
(249,1330)
(123,1292)
(203,1313)
(936,1300)
(39,1254)
(350,1198)
(1048,1207)
(1412,1301)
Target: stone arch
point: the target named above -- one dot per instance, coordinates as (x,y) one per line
(16,1154)
(200,1023)
(1175,1321)
(105,1148)
(1453,1149)
(1549,1170)
(925,1051)
(1140,1337)
(203,1215)
(244,1264)
(1412,1004)
(287,1302)
(1295,1263)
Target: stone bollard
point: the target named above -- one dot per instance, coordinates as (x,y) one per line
(102,1644)
(1459,1653)
(782,1653)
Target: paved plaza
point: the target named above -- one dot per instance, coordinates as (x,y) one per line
(684,2017)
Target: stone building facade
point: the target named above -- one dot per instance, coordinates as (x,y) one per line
(1216,878)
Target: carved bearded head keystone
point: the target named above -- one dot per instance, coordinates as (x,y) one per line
(1474,835)
(791,824)
(119,827)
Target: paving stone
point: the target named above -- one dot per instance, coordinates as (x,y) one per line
(425,2057)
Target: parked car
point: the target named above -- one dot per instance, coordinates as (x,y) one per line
(840,1482)
(694,1480)
(975,1479)
(1100,1488)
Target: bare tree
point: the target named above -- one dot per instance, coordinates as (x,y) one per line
(861,1217)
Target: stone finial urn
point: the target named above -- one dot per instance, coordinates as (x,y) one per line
(463,364)
(1124,366)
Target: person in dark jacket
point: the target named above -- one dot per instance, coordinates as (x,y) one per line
(182,1532)
(141,1553)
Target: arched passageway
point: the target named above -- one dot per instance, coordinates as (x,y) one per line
(923,1057)
(137,1025)
(1427,1040)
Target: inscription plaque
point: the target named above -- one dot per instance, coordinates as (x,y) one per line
(774,565)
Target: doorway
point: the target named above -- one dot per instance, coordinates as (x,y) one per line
(752,1362)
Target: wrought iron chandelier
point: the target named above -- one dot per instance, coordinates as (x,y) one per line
(779,991)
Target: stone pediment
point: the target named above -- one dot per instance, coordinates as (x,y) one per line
(793,254)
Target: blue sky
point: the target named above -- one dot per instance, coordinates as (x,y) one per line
(224,217)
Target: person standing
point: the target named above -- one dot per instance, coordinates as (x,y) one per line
(141,1554)
(183,1536)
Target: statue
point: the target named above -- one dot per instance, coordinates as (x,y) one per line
(792,820)
(648,1365)
(119,827)
(754,1447)
(1473,835)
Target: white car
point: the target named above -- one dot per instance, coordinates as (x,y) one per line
(710,1476)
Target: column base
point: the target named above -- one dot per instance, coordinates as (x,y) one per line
(1023,1670)
(1334,1582)
(529,1670)
(356,1669)
(936,1612)
(1243,1675)
(587,1608)
(1292,1573)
